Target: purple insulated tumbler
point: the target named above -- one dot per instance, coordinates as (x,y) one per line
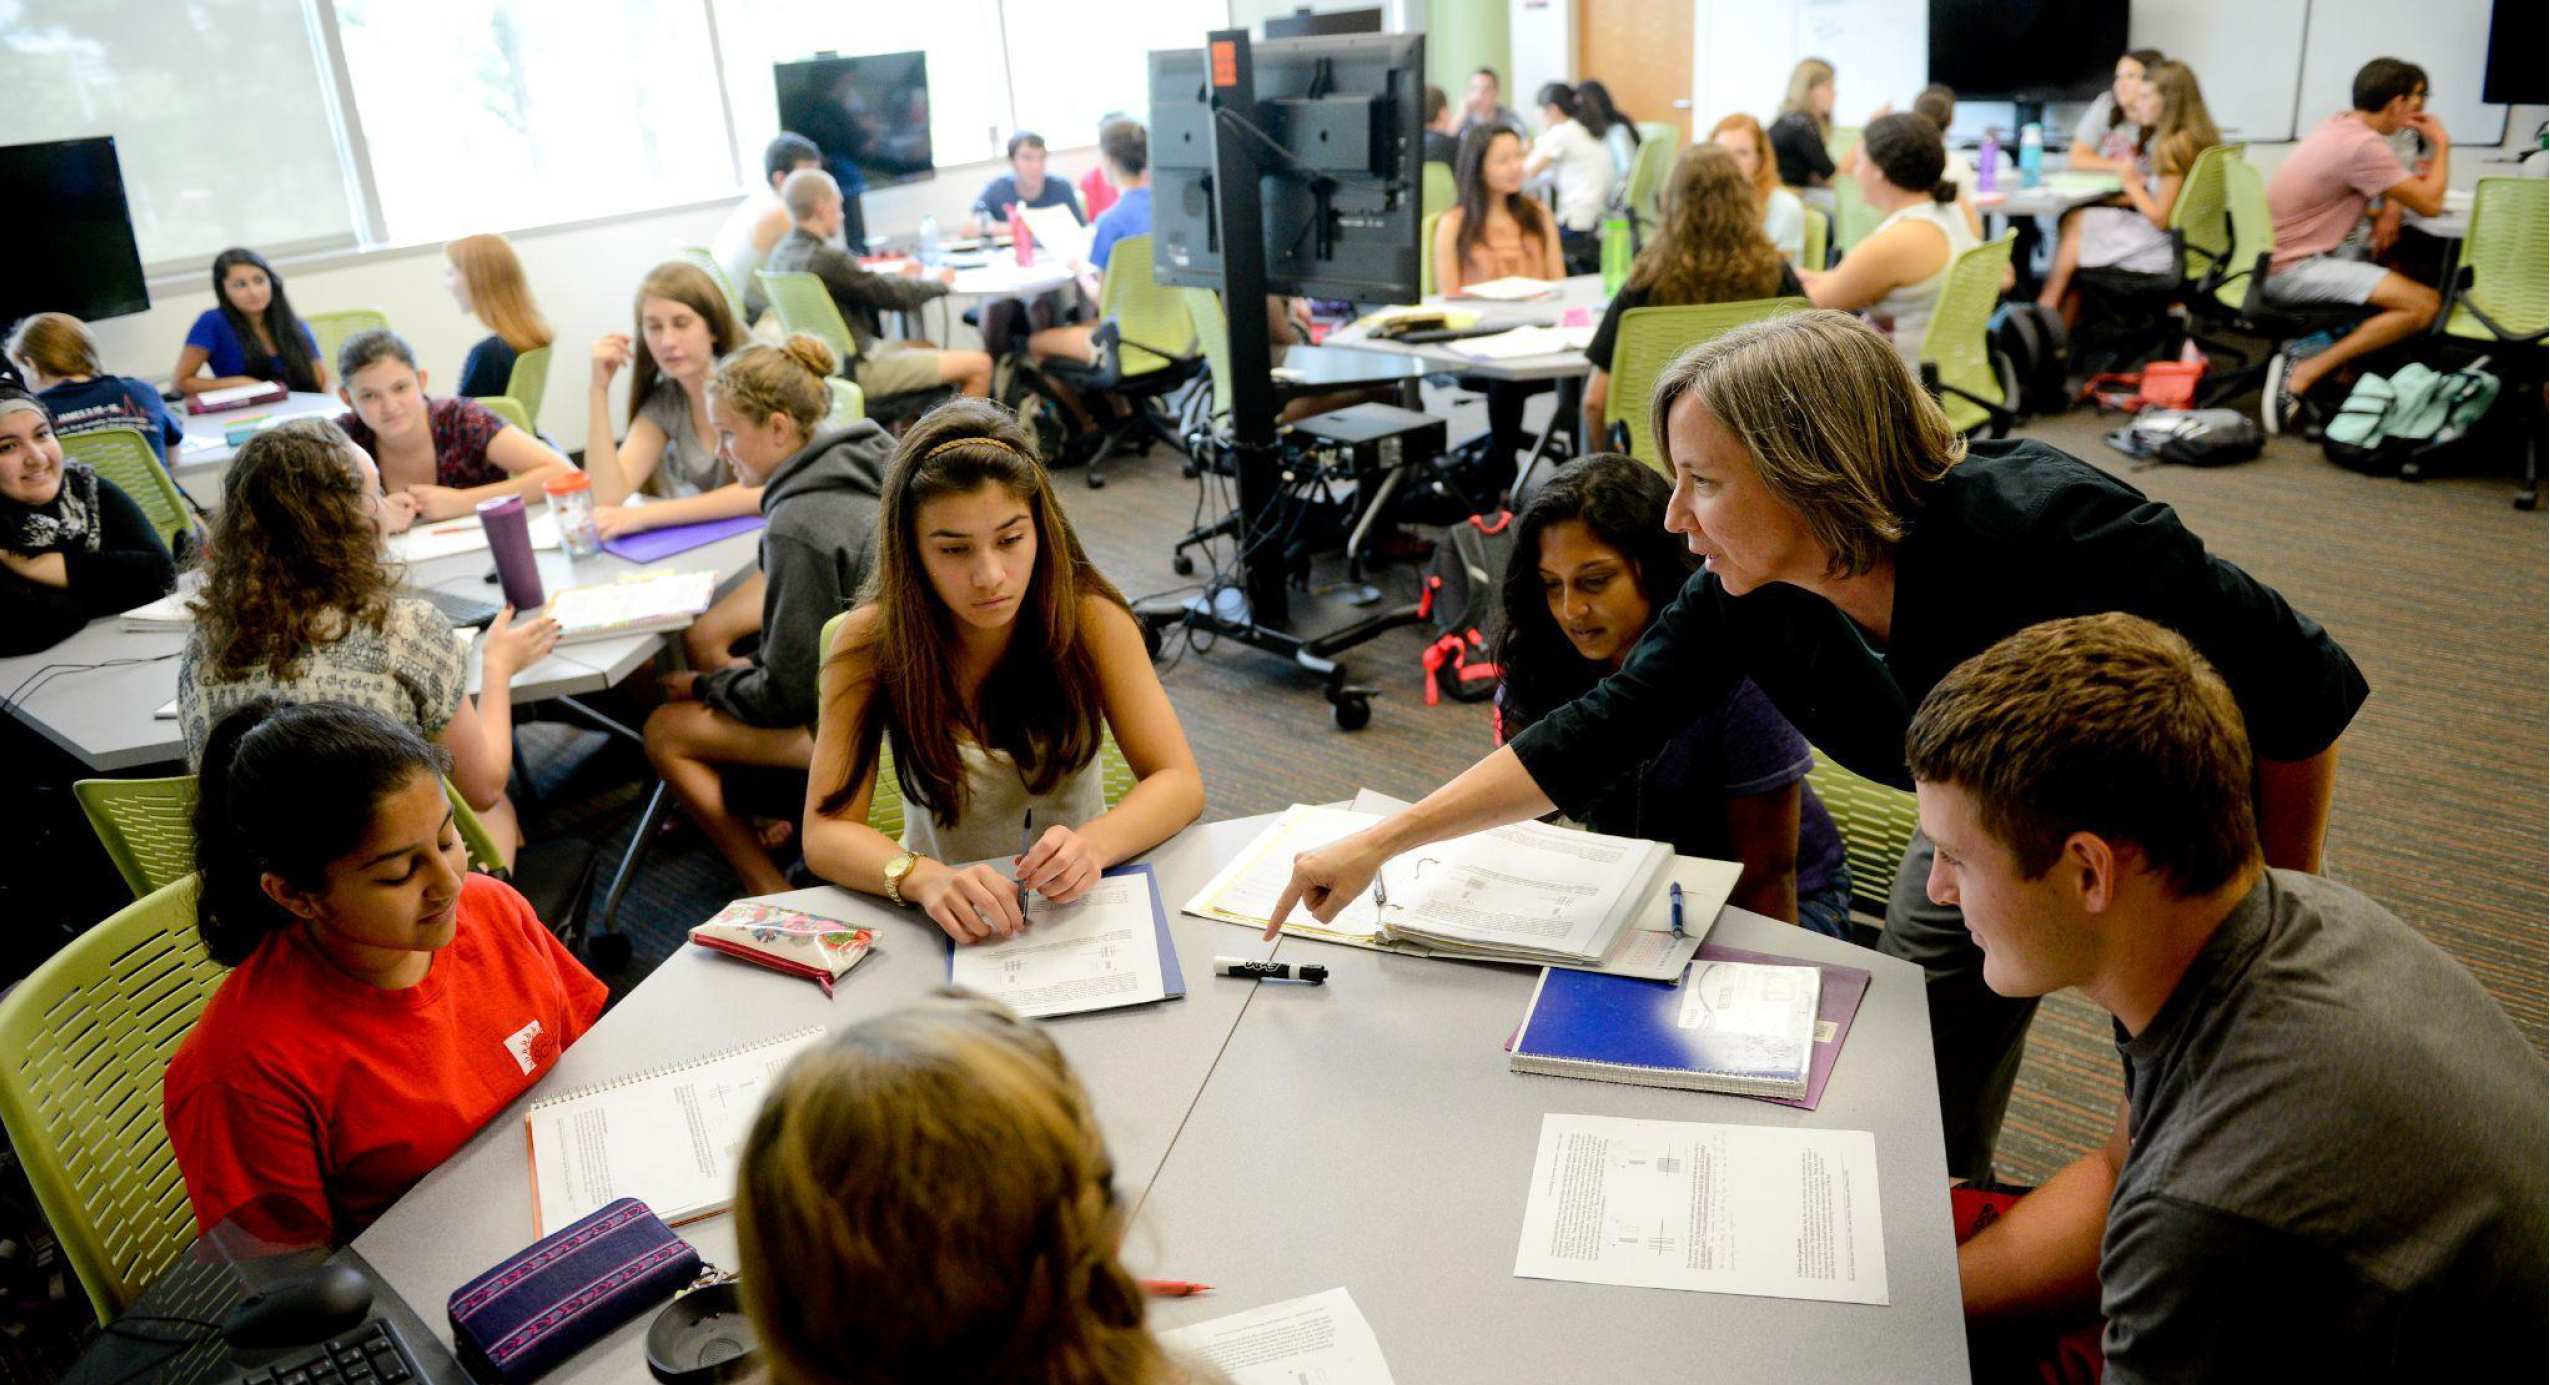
(509,538)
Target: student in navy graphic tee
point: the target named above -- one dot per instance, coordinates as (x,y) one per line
(64,367)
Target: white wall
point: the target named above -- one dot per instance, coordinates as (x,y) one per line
(1544,39)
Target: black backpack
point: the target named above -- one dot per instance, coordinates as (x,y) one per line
(2190,437)
(2031,337)
(1463,597)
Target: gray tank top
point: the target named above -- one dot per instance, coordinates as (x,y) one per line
(997,804)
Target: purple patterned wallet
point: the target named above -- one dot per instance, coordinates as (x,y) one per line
(566,1291)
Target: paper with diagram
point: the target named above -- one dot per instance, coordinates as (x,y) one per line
(1101,951)
(1728,1209)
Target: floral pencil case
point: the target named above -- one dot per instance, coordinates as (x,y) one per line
(786,940)
(568,1290)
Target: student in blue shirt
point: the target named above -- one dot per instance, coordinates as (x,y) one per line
(250,334)
(67,371)
(1024,184)
(1125,152)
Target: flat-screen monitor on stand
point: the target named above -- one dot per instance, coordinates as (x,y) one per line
(76,255)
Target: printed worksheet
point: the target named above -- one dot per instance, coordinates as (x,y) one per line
(443,538)
(1247,890)
(1319,1340)
(1727,1209)
(1098,952)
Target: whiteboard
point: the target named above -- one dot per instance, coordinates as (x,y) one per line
(1879,49)
(2247,57)
(2448,38)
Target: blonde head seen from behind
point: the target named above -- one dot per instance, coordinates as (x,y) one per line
(927,1197)
(1832,421)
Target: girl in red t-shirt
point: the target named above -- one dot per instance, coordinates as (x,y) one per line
(384,1004)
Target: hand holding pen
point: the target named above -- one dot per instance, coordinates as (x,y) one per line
(1060,864)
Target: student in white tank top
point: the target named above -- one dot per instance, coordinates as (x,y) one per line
(994,657)
(1894,276)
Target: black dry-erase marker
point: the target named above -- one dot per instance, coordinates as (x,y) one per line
(1268,971)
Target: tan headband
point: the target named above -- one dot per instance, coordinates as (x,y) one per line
(1011,448)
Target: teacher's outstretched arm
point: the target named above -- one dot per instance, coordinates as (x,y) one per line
(1491,793)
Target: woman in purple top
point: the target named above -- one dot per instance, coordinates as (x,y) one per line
(438,457)
(1592,565)
(250,334)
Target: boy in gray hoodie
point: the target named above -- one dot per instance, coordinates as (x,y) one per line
(820,486)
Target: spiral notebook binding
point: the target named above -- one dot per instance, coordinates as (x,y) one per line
(703,1060)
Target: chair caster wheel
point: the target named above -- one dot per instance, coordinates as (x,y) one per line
(1183,565)
(1353,713)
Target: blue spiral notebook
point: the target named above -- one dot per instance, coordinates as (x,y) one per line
(1735,1027)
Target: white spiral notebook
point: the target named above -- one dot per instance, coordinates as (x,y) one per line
(669,1137)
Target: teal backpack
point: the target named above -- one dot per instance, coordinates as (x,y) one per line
(2410,421)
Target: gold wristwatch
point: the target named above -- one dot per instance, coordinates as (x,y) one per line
(895,870)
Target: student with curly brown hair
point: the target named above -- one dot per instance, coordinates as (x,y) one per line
(299,602)
(927,1196)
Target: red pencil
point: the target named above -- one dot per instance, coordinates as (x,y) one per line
(1173,1288)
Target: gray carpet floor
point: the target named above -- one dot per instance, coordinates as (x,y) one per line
(2437,589)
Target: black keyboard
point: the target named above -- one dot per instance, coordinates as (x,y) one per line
(464,612)
(370,1355)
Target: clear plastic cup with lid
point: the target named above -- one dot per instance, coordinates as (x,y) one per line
(571,503)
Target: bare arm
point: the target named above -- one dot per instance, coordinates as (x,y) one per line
(1597,395)
(1168,792)
(480,735)
(526,461)
(1553,259)
(2425,195)
(770,230)
(2084,159)
(191,384)
(728,501)
(46,569)
(1491,793)
(1762,828)
(1876,266)
(1447,253)
(617,469)
(2155,206)
(2042,1255)
(2293,809)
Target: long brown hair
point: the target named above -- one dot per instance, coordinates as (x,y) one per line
(689,285)
(926,1196)
(295,559)
(1712,248)
(1766,165)
(1528,213)
(499,296)
(1804,78)
(2186,127)
(1041,702)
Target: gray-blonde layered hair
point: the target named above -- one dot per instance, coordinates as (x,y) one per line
(1837,426)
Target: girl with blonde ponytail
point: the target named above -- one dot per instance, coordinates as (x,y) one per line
(819,483)
(926,1197)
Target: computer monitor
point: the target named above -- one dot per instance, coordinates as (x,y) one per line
(1303,23)
(1340,119)
(2517,32)
(870,115)
(2026,50)
(73,252)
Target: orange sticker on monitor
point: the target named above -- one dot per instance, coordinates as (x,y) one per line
(1226,64)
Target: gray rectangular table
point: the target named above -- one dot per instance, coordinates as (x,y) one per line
(1279,1140)
(103,716)
(1579,291)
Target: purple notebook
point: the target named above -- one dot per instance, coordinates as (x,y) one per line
(649,545)
(1837,1003)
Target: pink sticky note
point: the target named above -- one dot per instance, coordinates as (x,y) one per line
(1576,317)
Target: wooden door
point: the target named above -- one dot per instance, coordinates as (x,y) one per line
(1641,49)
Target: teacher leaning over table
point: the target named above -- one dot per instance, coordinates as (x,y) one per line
(1854,550)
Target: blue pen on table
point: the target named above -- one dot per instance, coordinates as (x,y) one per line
(1676,896)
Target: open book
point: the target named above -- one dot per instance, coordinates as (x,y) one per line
(1530,894)
(632,605)
(669,1138)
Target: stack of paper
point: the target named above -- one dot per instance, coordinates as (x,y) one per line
(1057,232)
(632,605)
(1319,1340)
(1513,289)
(1530,893)
(1106,949)
(169,612)
(1524,341)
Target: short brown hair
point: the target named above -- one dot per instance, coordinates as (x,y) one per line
(2107,724)
(57,344)
(1838,428)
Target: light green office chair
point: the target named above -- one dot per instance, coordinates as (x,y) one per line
(1973,386)
(1853,219)
(805,305)
(1648,341)
(146,825)
(1814,250)
(88,1039)
(1425,254)
(330,330)
(1153,355)
(700,255)
(2201,217)
(1876,822)
(1838,142)
(507,408)
(1439,194)
(1663,132)
(529,384)
(1213,339)
(849,403)
(1644,196)
(2498,298)
(121,456)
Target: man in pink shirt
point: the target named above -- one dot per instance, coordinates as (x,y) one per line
(2318,199)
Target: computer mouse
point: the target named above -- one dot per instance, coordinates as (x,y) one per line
(329,1300)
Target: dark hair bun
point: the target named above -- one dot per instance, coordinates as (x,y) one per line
(1908,152)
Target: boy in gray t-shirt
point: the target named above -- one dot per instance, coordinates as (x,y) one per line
(2330,1163)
